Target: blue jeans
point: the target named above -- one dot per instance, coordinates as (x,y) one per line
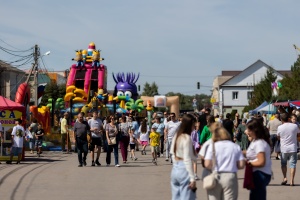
(180,181)
(31,143)
(261,180)
(168,147)
(116,154)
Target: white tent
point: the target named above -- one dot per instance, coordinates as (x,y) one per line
(268,109)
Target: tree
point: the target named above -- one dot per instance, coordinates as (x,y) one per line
(290,84)
(263,91)
(150,90)
(54,91)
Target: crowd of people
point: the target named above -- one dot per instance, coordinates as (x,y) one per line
(224,146)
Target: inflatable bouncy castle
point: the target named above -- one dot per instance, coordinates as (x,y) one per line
(87,79)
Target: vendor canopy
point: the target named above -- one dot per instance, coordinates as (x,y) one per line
(295,104)
(268,109)
(256,110)
(7,104)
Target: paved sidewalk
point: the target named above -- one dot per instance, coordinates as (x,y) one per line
(56,176)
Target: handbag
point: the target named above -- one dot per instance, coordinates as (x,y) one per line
(248,177)
(113,140)
(210,181)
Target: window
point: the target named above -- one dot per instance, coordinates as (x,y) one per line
(249,95)
(235,95)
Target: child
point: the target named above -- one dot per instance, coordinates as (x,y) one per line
(132,142)
(154,143)
(39,139)
(144,135)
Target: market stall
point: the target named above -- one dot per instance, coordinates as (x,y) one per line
(9,111)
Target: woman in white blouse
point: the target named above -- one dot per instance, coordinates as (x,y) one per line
(229,158)
(259,157)
(182,177)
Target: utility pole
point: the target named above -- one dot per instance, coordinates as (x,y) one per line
(36,55)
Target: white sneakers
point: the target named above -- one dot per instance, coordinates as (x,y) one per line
(117,165)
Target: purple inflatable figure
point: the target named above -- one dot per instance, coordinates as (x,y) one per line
(126,85)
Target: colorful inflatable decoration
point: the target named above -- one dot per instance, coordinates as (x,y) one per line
(59,104)
(96,58)
(76,94)
(23,94)
(135,105)
(149,106)
(79,58)
(126,85)
(90,79)
(100,95)
(172,102)
(42,115)
(276,86)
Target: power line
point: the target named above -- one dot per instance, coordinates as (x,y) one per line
(19,50)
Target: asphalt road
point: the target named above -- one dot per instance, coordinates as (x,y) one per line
(56,176)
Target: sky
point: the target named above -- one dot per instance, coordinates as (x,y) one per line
(170,42)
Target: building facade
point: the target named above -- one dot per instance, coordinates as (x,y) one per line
(10,79)
(233,89)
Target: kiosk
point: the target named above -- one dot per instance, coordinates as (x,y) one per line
(9,111)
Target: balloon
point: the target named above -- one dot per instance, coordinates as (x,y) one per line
(279,84)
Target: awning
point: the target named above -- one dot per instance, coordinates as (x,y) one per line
(295,104)
(251,112)
(284,103)
(268,109)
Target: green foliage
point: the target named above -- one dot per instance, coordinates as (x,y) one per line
(291,83)
(263,91)
(53,91)
(150,90)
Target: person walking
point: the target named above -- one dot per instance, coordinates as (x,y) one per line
(228,159)
(206,134)
(160,129)
(170,130)
(183,183)
(132,142)
(287,134)
(196,144)
(154,143)
(32,128)
(96,128)
(272,127)
(241,137)
(111,137)
(144,136)
(39,139)
(65,135)
(124,138)
(228,125)
(81,131)
(258,156)
(17,140)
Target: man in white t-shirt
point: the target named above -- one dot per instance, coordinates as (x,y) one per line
(287,134)
(170,130)
(96,126)
(17,140)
